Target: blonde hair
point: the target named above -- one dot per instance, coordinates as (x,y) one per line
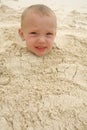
(39,9)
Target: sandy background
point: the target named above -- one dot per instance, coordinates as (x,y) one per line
(50,92)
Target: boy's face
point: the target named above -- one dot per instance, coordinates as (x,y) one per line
(39,32)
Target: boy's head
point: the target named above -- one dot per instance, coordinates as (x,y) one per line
(38,29)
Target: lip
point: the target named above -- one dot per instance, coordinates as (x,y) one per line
(40,48)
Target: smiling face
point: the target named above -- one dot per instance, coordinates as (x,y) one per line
(39,32)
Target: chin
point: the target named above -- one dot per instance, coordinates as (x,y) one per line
(40,54)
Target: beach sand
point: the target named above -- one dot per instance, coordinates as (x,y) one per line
(49,92)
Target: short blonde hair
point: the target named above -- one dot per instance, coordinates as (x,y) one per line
(39,9)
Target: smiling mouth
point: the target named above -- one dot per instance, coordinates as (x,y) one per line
(40,48)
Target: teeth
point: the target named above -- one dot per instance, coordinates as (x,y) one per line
(40,47)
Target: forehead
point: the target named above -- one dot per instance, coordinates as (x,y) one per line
(32,18)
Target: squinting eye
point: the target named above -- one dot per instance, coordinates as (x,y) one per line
(49,34)
(33,33)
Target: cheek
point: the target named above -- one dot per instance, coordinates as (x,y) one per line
(51,41)
(30,40)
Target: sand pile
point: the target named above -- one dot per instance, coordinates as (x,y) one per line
(43,93)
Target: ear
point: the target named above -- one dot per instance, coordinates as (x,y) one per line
(20,31)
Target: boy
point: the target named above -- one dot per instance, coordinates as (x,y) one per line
(38,29)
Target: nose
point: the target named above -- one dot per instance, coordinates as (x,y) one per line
(42,39)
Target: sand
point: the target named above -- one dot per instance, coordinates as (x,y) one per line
(49,92)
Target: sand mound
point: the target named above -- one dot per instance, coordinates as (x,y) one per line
(44,93)
(6,9)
